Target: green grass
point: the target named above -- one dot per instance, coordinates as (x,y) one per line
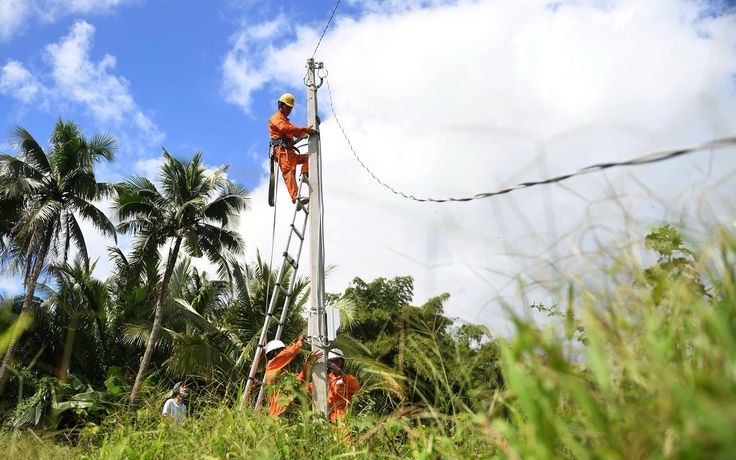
(632,375)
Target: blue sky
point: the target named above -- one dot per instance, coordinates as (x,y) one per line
(438,98)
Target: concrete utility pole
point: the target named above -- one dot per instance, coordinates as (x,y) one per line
(317,317)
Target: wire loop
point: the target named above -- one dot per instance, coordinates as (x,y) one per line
(646,158)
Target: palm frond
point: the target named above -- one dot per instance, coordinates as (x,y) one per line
(103,145)
(29,148)
(233,198)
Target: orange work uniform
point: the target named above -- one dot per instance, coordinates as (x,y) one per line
(279,127)
(340,391)
(274,368)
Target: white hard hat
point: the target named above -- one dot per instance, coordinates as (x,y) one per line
(335,353)
(274,345)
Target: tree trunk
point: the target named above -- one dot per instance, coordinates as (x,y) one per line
(402,340)
(157,323)
(25,311)
(102,340)
(68,347)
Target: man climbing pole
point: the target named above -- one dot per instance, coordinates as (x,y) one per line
(283,135)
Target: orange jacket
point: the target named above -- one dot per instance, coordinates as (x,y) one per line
(279,127)
(340,391)
(274,368)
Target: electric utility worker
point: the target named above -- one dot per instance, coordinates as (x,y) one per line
(283,135)
(279,356)
(341,387)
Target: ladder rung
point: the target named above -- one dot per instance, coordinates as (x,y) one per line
(284,290)
(291,261)
(298,233)
(274,319)
(302,207)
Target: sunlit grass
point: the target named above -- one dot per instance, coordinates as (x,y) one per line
(623,374)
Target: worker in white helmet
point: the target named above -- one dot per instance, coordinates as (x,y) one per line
(278,357)
(341,387)
(283,134)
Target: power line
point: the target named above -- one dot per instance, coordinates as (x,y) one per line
(326,27)
(647,158)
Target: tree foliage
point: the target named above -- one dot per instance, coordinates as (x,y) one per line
(192,212)
(450,369)
(46,192)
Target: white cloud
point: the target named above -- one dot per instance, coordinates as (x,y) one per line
(17,81)
(149,167)
(396,6)
(10,286)
(17,15)
(86,82)
(75,79)
(12,15)
(243,65)
(470,96)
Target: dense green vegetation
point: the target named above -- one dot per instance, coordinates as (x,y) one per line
(642,365)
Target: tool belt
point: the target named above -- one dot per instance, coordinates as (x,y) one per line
(273,143)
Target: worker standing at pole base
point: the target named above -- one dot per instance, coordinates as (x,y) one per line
(283,134)
(341,387)
(279,356)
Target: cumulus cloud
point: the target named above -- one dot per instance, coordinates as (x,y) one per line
(17,81)
(12,16)
(77,80)
(253,61)
(17,15)
(447,99)
(87,82)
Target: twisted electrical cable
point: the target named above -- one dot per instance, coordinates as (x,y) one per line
(651,157)
(325,29)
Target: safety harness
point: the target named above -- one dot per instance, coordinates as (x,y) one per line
(273,143)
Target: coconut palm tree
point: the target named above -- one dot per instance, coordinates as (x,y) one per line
(132,290)
(254,285)
(202,342)
(192,212)
(50,191)
(217,324)
(82,301)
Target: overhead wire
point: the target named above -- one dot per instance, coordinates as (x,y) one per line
(325,29)
(651,157)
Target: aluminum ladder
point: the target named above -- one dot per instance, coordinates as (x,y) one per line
(300,211)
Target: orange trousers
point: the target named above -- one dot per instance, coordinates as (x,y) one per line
(288,159)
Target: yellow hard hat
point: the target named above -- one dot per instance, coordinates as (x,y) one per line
(287,99)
